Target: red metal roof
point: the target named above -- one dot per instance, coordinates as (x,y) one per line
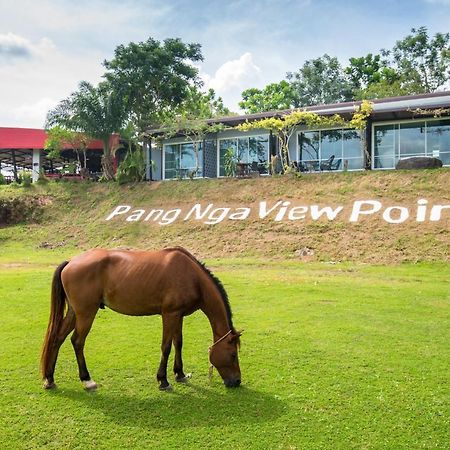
(22,138)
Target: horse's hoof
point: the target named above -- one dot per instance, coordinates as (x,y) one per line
(167,388)
(184,379)
(90,385)
(49,385)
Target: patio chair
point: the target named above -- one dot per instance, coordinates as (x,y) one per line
(326,165)
(336,164)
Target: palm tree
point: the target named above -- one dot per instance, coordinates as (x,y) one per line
(97,112)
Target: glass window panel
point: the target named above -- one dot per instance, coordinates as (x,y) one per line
(384,162)
(438,138)
(309,146)
(200,160)
(258,149)
(445,158)
(352,145)
(187,156)
(171,160)
(243,150)
(262,144)
(224,145)
(188,161)
(354,163)
(252,149)
(331,144)
(412,139)
(385,140)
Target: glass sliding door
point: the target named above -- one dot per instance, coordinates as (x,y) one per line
(252,150)
(183,160)
(330,150)
(438,140)
(385,138)
(309,149)
(225,145)
(411,139)
(352,151)
(191,159)
(171,161)
(414,138)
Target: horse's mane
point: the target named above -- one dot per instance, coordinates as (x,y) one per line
(215,280)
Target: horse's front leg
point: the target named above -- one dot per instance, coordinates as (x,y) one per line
(178,361)
(170,322)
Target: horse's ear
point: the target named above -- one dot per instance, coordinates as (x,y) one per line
(237,335)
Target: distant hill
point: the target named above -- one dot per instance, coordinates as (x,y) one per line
(273,217)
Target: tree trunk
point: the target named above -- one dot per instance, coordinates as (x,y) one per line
(108,162)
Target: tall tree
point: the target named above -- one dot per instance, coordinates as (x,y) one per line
(201,105)
(154,77)
(423,61)
(371,77)
(320,81)
(274,96)
(369,69)
(98,112)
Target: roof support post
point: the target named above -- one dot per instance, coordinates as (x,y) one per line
(37,164)
(13,154)
(148,159)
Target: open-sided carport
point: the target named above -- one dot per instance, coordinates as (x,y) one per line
(23,148)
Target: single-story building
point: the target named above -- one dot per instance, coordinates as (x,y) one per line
(398,127)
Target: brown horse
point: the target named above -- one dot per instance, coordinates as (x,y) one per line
(170,282)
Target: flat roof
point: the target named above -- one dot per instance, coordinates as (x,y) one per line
(383,109)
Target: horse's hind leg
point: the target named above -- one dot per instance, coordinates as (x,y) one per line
(170,324)
(178,361)
(67,325)
(82,327)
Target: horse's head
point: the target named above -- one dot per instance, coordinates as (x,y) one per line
(223,355)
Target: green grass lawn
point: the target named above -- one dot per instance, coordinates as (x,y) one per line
(333,356)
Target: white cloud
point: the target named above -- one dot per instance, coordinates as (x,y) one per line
(29,87)
(233,74)
(13,46)
(232,77)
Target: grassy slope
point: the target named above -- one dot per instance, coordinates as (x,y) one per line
(75,218)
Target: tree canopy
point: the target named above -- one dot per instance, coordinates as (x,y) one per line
(274,96)
(422,61)
(418,63)
(320,81)
(153,77)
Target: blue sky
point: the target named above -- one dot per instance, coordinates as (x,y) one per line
(47,47)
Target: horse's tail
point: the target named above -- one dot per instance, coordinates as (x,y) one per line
(57,308)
